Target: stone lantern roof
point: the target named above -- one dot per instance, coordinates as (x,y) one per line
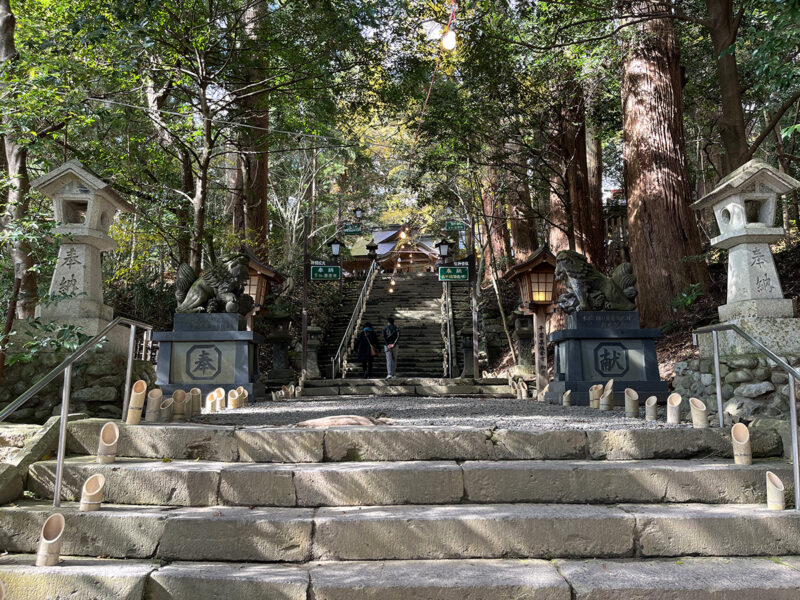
(52,183)
(754,173)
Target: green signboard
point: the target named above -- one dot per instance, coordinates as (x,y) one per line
(454,226)
(454,273)
(352,229)
(326,272)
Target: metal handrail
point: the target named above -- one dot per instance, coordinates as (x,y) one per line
(790,371)
(66,368)
(338,359)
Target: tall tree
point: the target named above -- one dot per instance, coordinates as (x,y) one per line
(16,151)
(662,230)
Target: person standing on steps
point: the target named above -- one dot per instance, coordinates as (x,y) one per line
(390,336)
(367,348)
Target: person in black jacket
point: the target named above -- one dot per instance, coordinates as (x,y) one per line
(391,335)
(367,348)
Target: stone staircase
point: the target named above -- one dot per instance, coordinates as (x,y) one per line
(198,512)
(351,289)
(416,308)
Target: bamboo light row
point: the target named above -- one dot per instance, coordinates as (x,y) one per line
(218,400)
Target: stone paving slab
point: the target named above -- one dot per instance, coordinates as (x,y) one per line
(472,531)
(238,534)
(391,443)
(514,444)
(439,580)
(708,530)
(133,481)
(257,485)
(352,484)
(266,445)
(74,578)
(214,581)
(709,481)
(116,531)
(685,578)
(637,444)
(158,440)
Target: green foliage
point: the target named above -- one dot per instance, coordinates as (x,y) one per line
(46,338)
(687,297)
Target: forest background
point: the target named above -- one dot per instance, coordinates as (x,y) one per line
(225,121)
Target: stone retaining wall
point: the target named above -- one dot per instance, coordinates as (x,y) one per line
(98,383)
(752,385)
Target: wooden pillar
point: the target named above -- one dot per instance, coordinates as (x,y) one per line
(540,346)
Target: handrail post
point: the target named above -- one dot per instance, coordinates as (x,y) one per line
(795,457)
(718,380)
(129,372)
(62,436)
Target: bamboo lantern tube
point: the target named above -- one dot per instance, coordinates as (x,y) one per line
(594,395)
(651,409)
(178,405)
(2,591)
(50,541)
(522,390)
(631,404)
(298,391)
(197,400)
(92,493)
(187,408)
(699,413)
(167,406)
(211,402)
(740,436)
(233,399)
(107,445)
(136,403)
(674,409)
(154,399)
(609,386)
(219,399)
(566,398)
(776,493)
(244,399)
(607,400)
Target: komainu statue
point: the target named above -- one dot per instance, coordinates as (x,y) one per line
(220,288)
(589,289)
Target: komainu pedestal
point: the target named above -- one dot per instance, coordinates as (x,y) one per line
(207,351)
(596,346)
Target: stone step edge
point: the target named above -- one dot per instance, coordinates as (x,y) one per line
(187,483)
(392,443)
(692,578)
(523,531)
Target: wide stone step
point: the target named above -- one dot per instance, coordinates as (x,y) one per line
(409,532)
(75,579)
(689,578)
(191,483)
(404,443)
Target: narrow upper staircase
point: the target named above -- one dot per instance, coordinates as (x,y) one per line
(196,512)
(415,305)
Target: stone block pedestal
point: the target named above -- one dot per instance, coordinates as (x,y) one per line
(596,346)
(208,351)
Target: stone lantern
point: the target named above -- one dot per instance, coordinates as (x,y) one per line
(84,206)
(536,280)
(744,205)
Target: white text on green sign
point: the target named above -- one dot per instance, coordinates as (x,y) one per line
(325,273)
(453,273)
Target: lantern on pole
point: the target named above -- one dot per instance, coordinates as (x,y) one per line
(536,280)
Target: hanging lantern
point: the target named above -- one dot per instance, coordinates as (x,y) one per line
(536,279)
(449,40)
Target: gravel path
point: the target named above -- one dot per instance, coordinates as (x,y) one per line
(490,413)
